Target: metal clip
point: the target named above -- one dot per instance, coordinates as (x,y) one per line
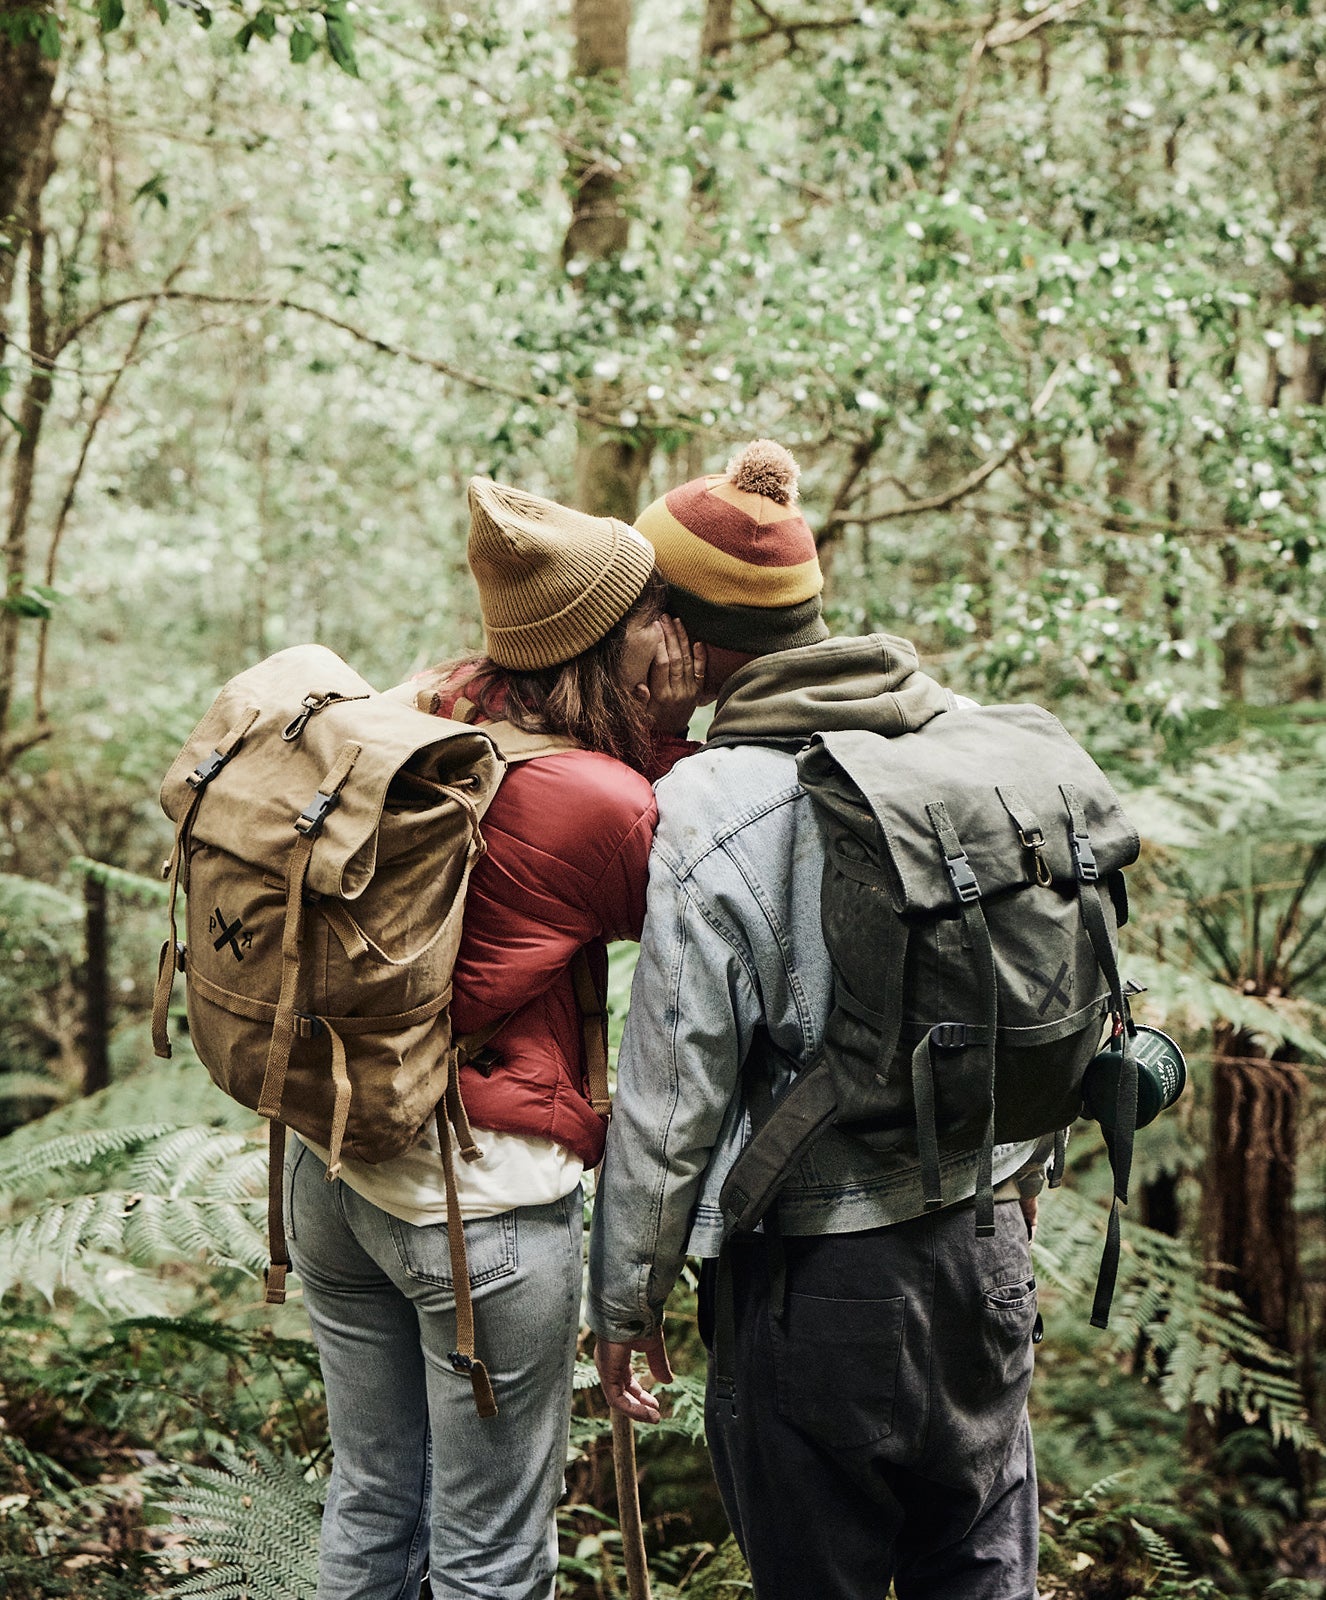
(312,704)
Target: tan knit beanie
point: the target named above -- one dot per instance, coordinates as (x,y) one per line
(739,559)
(552,581)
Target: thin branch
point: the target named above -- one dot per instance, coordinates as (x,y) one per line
(1017,29)
(973,480)
(75,477)
(965,103)
(863,452)
(448,369)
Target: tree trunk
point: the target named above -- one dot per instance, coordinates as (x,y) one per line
(96,987)
(27,81)
(609,467)
(1252,1225)
(32,413)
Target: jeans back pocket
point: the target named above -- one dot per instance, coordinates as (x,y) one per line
(836,1366)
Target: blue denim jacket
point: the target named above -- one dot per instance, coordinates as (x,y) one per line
(732,940)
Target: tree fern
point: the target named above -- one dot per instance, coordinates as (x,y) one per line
(1202,1347)
(253,1520)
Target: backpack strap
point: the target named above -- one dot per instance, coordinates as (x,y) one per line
(1090,894)
(462,1358)
(176,869)
(308,826)
(948,1035)
(278,1251)
(594,1022)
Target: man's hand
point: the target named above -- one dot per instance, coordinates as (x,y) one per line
(623,1388)
(1030,1209)
(676,676)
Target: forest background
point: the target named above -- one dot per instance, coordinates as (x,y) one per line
(1035,292)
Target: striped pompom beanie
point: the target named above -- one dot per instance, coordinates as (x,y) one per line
(739,560)
(552,581)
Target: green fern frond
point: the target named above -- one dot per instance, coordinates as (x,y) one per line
(51,1247)
(82,1149)
(166,1095)
(1208,1351)
(1162,1555)
(254,1520)
(1192,1002)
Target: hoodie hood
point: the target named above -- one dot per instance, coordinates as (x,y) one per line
(872,685)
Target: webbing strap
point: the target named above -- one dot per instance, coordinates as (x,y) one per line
(797,1120)
(283,1024)
(462,1358)
(168,962)
(594,1021)
(278,1254)
(967,892)
(340,1105)
(177,869)
(1091,900)
(283,1021)
(460,1119)
(927,1136)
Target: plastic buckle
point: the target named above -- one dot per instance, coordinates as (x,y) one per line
(180,954)
(460,1363)
(206,770)
(949,1036)
(1085,857)
(306,1026)
(962,877)
(315,813)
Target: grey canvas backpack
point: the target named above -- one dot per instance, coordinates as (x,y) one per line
(971,897)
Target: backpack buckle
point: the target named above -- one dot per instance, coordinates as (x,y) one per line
(206,770)
(950,1035)
(315,813)
(460,1363)
(962,877)
(1085,857)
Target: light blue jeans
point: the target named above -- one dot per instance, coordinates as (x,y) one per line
(419,1482)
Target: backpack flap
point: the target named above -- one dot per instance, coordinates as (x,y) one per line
(302,712)
(1000,772)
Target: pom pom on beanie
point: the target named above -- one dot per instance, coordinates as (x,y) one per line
(764,467)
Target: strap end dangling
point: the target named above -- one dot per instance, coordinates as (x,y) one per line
(274,1279)
(484,1401)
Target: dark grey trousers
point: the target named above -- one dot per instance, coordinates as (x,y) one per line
(881,1428)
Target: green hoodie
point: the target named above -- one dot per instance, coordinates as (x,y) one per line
(871,684)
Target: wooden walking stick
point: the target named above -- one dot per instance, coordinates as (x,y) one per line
(628,1507)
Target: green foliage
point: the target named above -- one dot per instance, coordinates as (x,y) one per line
(253,1519)
(1201,1349)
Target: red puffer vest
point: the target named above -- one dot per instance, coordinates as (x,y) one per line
(566,869)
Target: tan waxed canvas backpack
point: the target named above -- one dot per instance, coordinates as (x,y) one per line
(324,838)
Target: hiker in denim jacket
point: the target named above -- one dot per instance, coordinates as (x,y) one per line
(882,1356)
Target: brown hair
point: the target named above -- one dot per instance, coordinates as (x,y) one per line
(585,697)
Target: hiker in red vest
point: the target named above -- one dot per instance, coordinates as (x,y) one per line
(576,645)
